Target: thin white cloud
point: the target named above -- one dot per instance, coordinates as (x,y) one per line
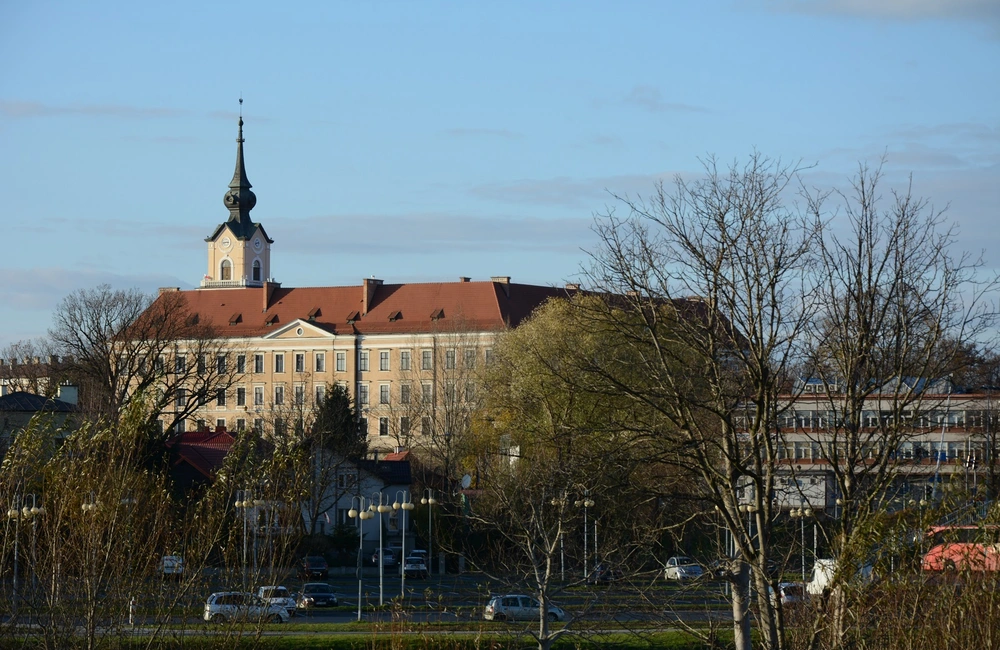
(579,193)
(650,99)
(977,11)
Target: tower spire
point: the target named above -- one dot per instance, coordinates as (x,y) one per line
(240,199)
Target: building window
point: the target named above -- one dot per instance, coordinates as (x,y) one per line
(226,272)
(279,426)
(180,365)
(383,394)
(427,393)
(488,355)
(256,270)
(241,363)
(363,394)
(241,424)
(363,361)
(470,358)
(258,363)
(279,362)
(404,360)
(220,397)
(300,362)
(404,426)
(202,364)
(404,393)
(181,426)
(449,359)
(345,481)
(427,360)
(363,426)
(279,395)
(158,366)
(220,423)
(341,362)
(320,362)
(320,393)
(258,396)
(181,398)
(300,395)
(258,424)
(200,424)
(241,397)
(449,392)
(425,426)
(383,360)
(383,426)
(470,392)
(221,364)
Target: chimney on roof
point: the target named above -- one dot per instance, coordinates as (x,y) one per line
(504,282)
(572,286)
(464,279)
(164,290)
(269,287)
(369,285)
(68,393)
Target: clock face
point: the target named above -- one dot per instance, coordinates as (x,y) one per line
(256,243)
(226,242)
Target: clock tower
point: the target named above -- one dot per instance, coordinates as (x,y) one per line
(239,251)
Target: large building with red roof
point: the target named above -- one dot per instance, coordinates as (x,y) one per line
(407,352)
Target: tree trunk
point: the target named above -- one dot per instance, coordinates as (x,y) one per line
(741,608)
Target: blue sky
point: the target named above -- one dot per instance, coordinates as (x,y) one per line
(422,141)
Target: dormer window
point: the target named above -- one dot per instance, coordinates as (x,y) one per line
(256,270)
(226,271)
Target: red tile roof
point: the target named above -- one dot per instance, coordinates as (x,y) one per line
(393,308)
(203,450)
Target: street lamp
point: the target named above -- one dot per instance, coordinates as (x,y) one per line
(585,502)
(245,501)
(19,510)
(360,514)
(429,500)
(381,508)
(802,514)
(404,505)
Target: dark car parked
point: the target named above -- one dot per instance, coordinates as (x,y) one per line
(316,594)
(313,567)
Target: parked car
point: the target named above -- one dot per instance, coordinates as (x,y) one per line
(172,567)
(316,594)
(790,593)
(604,573)
(388,558)
(824,570)
(414,567)
(275,595)
(313,566)
(518,608)
(680,567)
(234,605)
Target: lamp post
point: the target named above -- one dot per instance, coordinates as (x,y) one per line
(19,510)
(802,514)
(404,505)
(244,501)
(585,502)
(359,513)
(381,508)
(429,500)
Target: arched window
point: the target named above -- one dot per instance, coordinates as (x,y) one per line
(226,272)
(256,270)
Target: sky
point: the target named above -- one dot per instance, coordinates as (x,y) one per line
(419,141)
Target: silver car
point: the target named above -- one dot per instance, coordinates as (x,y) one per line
(680,567)
(239,606)
(517,607)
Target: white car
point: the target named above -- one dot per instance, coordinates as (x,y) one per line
(239,606)
(275,595)
(680,567)
(414,567)
(516,607)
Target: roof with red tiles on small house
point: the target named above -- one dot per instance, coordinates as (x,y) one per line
(203,450)
(392,309)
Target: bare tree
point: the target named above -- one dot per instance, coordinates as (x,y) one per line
(32,367)
(714,283)
(897,313)
(119,344)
